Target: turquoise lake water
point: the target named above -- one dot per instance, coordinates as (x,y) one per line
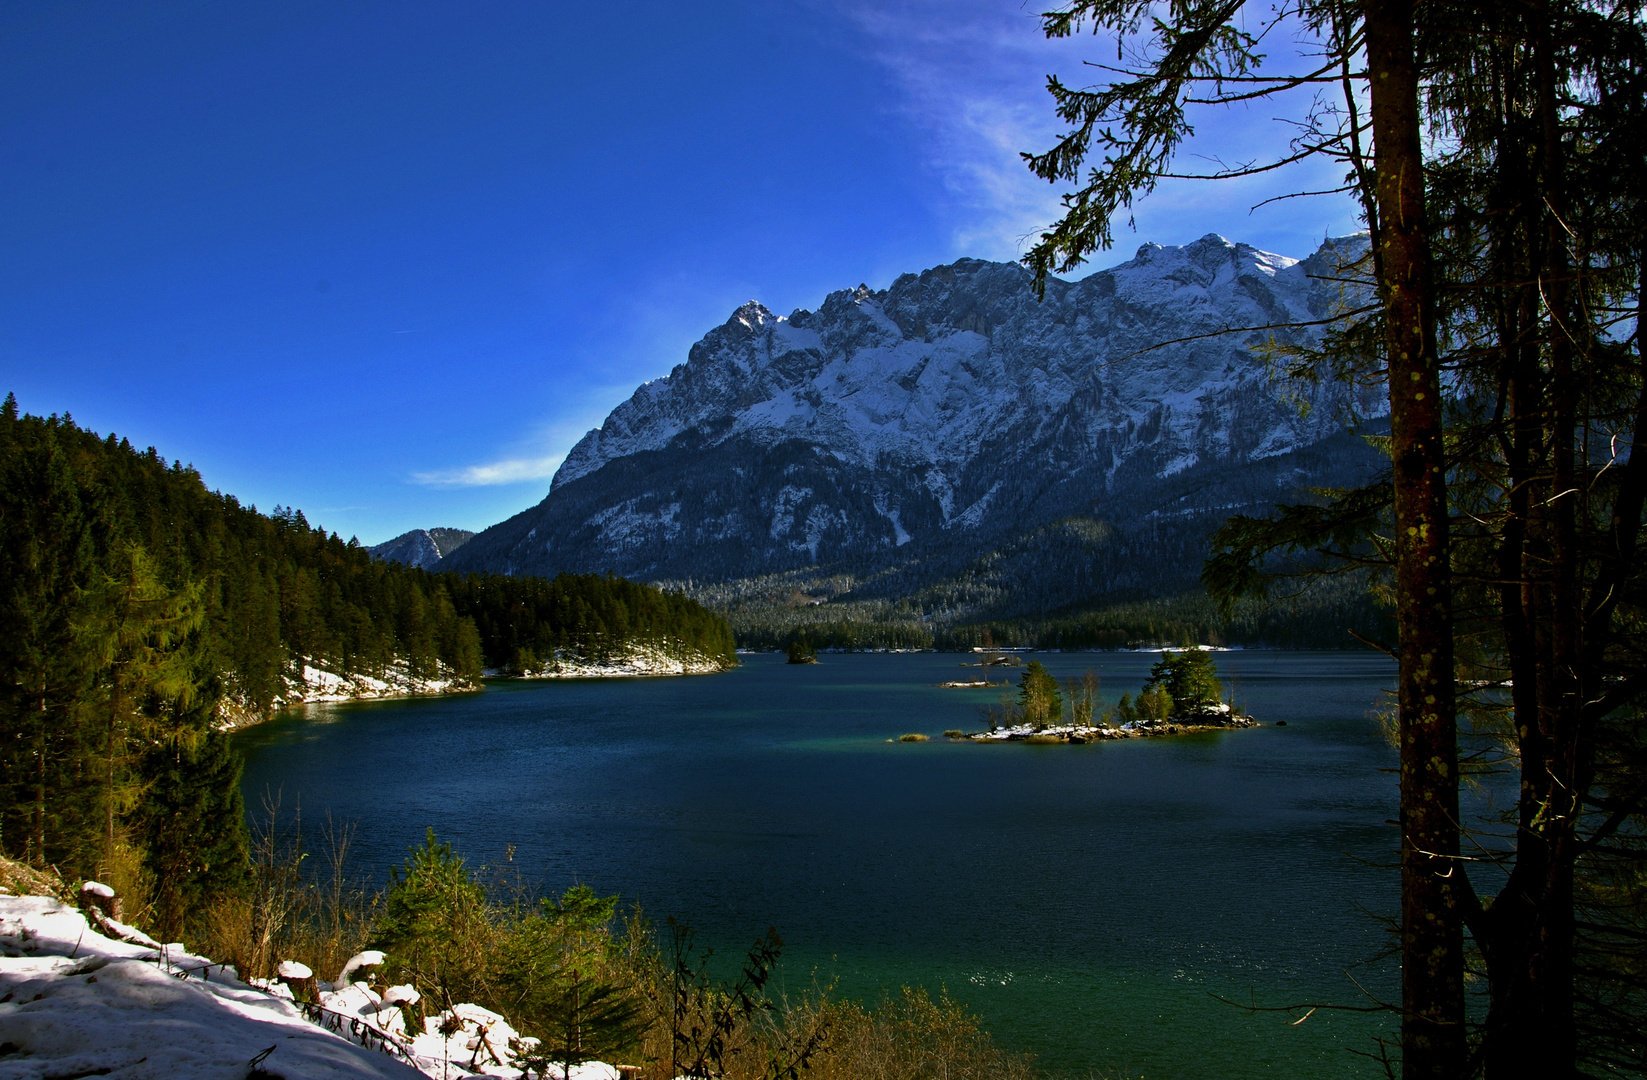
(1091,903)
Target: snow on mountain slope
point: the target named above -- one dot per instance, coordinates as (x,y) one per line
(952,407)
(422,548)
(923,372)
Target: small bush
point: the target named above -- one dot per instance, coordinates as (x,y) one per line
(954,733)
(1039,739)
(913,737)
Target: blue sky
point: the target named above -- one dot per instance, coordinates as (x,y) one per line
(387,262)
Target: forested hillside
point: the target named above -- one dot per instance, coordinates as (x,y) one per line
(140,608)
(524,621)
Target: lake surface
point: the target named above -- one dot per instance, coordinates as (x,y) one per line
(1091,903)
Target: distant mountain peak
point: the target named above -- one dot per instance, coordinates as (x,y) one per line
(424,548)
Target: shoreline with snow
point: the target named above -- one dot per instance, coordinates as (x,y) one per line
(636,663)
(1228,720)
(315,685)
(85,995)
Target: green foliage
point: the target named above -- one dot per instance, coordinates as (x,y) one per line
(524,623)
(196,862)
(1190,681)
(436,928)
(551,969)
(1155,705)
(559,972)
(561,985)
(1331,613)
(1040,702)
(802,651)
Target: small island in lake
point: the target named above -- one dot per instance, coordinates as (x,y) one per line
(1183,694)
(802,651)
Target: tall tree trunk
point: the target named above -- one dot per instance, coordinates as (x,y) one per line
(1529,933)
(38,837)
(1432,881)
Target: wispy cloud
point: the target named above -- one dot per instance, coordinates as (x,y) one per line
(971,75)
(494,474)
(972,78)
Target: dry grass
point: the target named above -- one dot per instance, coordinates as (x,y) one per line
(914,737)
(909,1037)
(287,915)
(20,879)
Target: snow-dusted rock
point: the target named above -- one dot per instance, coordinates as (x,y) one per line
(75,1002)
(423,548)
(638,660)
(358,962)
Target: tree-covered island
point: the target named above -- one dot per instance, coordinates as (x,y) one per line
(1182,694)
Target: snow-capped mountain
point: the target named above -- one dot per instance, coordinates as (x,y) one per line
(926,422)
(424,548)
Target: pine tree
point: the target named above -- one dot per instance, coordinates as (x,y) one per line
(134,633)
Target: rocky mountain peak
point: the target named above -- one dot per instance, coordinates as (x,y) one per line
(953,404)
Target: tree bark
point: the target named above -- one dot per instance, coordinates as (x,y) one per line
(1432,880)
(1529,938)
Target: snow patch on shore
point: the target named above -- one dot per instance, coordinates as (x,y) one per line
(637,661)
(307,682)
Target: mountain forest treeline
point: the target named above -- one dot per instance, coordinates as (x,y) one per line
(142,610)
(1340,613)
(525,621)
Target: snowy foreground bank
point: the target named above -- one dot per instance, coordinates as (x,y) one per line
(78,999)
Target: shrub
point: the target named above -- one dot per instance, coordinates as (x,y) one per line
(910,1037)
(914,737)
(954,733)
(1155,704)
(1191,680)
(1038,696)
(436,926)
(284,914)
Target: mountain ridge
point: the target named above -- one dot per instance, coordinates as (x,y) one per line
(422,548)
(922,424)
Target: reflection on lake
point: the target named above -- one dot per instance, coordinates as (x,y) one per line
(1092,903)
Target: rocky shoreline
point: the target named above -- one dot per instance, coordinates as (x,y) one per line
(1137,729)
(315,685)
